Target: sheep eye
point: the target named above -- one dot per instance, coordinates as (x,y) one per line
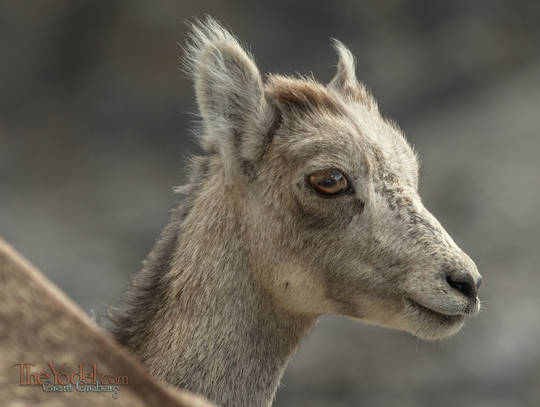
(328,182)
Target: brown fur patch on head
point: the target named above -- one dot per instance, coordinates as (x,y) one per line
(303,95)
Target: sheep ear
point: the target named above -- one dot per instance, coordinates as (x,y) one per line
(344,81)
(229,90)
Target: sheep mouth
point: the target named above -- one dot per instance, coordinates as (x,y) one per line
(444,319)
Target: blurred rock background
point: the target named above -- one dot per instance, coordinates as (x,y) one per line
(94,132)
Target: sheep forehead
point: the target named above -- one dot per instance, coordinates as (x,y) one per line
(323,122)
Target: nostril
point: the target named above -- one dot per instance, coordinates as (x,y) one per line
(464,285)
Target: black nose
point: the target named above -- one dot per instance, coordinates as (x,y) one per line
(464,283)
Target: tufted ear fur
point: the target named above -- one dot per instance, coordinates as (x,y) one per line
(344,81)
(229,92)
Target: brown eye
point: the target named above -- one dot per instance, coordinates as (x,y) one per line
(328,182)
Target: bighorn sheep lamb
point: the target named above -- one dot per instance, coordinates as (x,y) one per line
(304,203)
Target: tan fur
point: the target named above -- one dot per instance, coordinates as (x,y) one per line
(303,95)
(41,325)
(255,254)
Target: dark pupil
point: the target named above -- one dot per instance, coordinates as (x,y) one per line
(331,181)
(327,182)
